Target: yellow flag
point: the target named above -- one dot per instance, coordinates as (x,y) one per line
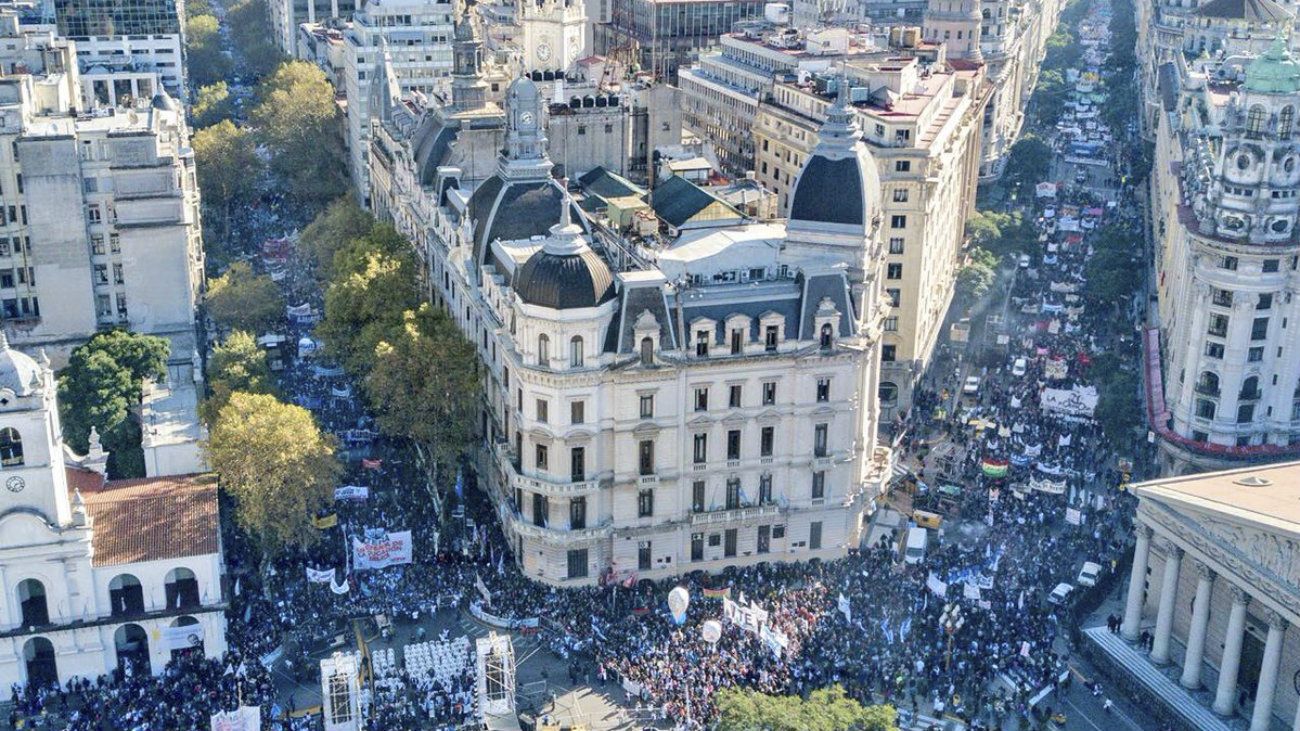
(328,521)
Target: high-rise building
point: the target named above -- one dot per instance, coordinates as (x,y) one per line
(1224,215)
(663,35)
(125,48)
(693,397)
(288,15)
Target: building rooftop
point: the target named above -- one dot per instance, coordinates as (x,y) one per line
(149,519)
(1251,11)
(1267,495)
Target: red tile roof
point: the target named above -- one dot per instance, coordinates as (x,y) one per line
(152,518)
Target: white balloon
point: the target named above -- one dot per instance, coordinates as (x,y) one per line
(678,600)
(711,631)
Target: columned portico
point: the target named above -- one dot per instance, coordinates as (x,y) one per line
(1195,657)
(1168,594)
(1137,584)
(1259,720)
(1226,692)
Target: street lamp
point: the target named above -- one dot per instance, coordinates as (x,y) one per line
(950,621)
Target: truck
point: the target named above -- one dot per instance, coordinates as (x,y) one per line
(914,549)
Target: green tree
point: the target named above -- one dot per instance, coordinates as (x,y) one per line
(827,709)
(333,230)
(212,104)
(277,465)
(241,299)
(1112,276)
(238,364)
(1028,163)
(207,64)
(228,171)
(101,384)
(363,307)
(424,385)
(250,28)
(299,122)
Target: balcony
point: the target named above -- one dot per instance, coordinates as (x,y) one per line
(558,536)
(1206,389)
(735,515)
(549,486)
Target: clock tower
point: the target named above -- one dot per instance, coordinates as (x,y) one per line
(33,474)
(554,33)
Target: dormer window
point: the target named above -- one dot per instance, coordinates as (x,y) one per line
(702,343)
(647,352)
(827,336)
(771,337)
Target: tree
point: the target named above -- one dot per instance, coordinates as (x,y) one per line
(334,229)
(228,171)
(101,384)
(827,709)
(974,282)
(364,307)
(207,63)
(250,22)
(238,364)
(277,465)
(243,300)
(212,105)
(1111,275)
(298,121)
(1028,163)
(424,385)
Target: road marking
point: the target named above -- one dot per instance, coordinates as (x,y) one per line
(1080,713)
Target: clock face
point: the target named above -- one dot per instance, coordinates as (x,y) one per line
(15,484)
(526,119)
(575,46)
(543,52)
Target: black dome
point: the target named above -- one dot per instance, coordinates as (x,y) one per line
(564,281)
(514,211)
(829,191)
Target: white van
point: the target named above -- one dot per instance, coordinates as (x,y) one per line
(1089,574)
(914,551)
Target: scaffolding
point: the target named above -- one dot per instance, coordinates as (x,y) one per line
(496,679)
(340,692)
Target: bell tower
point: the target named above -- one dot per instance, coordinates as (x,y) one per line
(32,468)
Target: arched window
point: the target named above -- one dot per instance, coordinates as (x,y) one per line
(1255,122)
(194,639)
(42,668)
(648,353)
(181,589)
(1285,122)
(1250,388)
(543,350)
(575,351)
(32,604)
(125,595)
(11,447)
(1208,383)
(826,336)
(132,645)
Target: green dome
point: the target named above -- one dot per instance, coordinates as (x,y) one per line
(1275,72)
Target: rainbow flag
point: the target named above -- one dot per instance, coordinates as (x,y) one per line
(718,593)
(995,467)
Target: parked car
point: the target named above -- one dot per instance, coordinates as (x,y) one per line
(1089,574)
(971,386)
(1019,367)
(1060,594)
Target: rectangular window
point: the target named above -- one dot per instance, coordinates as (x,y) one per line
(577,412)
(815,535)
(645,503)
(643,556)
(701,449)
(1259,329)
(737,342)
(1253,355)
(902,166)
(1218,326)
(733,493)
(733,444)
(96,243)
(767,441)
(1270,266)
(1215,350)
(101,275)
(697,546)
(1222,298)
(578,464)
(891,324)
(900,195)
(896,245)
(578,563)
(770,336)
(697,494)
(1265,301)
(578,513)
(1229,263)
(702,343)
(543,410)
(701,399)
(765,489)
(819,440)
(895,297)
(887,353)
(769,393)
(898,221)
(541,510)
(823,390)
(764,538)
(540,454)
(733,397)
(647,407)
(729,543)
(646,457)
(819,485)
(894,271)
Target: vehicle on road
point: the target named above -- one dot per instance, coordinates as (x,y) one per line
(914,549)
(1060,594)
(1089,574)
(971,386)
(1019,367)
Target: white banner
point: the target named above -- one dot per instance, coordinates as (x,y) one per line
(351,492)
(936,586)
(393,549)
(482,589)
(843,605)
(339,588)
(320,576)
(1073,516)
(246,718)
(180,638)
(970,590)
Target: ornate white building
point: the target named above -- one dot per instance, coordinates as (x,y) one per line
(95,574)
(1224,211)
(705,404)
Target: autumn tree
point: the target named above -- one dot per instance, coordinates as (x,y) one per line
(238,364)
(207,64)
(100,386)
(299,122)
(212,104)
(827,709)
(365,305)
(241,299)
(228,171)
(333,230)
(424,385)
(250,24)
(277,465)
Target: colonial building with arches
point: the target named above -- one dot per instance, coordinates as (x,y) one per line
(95,574)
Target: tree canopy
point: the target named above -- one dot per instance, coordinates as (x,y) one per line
(280,469)
(827,709)
(207,64)
(212,104)
(102,382)
(1028,163)
(241,299)
(298,120)
(249,20)
(228,170)
(333,230)
(237,364)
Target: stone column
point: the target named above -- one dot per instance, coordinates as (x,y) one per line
(1168,595)
(1225,695)
(1263,714)
(1136,579)
(1195,658)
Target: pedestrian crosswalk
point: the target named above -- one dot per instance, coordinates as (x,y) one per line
(1173,695)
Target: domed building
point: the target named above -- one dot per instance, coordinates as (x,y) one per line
(98,574)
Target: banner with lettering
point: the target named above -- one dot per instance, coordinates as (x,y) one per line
(320,576)
(351,492)
(378,553)
(180,638)
(245,718)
